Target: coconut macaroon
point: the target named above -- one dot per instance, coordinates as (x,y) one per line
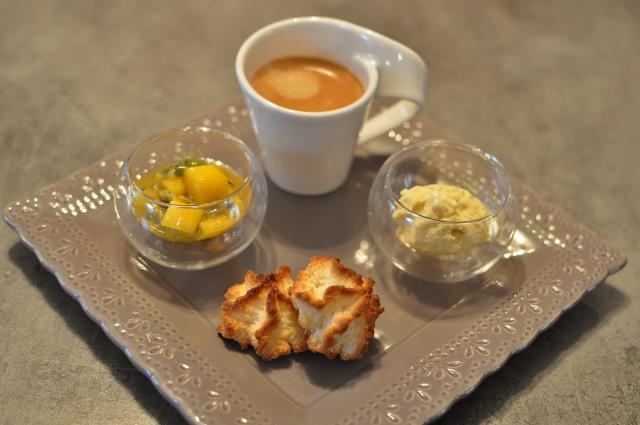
(259,313)
(336,307)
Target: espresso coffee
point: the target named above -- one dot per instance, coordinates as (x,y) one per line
(307,84)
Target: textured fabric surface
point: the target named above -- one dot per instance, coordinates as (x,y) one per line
(550,87)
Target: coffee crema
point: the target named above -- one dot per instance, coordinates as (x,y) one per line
(307,84)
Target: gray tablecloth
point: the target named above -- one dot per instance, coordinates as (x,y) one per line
(550,87)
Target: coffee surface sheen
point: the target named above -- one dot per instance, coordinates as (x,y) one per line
(307,84)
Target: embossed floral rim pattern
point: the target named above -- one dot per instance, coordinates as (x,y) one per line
(204,393)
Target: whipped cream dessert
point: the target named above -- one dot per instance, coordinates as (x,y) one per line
(449,227)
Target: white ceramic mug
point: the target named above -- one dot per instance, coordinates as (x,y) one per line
(310,153)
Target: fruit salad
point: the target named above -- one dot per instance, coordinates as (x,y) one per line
(191,200)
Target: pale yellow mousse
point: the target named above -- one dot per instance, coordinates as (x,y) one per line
(446,205)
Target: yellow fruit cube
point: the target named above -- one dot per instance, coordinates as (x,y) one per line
(175,185)
(185,220)
(216,225)
(206,183)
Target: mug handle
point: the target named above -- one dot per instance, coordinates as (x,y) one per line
(401,74)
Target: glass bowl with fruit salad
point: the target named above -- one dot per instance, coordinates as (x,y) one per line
(191,198)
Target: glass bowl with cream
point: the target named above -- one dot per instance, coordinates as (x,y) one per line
(191,198)
(442,211)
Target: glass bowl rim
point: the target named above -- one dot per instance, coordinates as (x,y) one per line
(248,154)
(389,165)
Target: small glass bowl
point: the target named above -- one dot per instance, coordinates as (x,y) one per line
(445,163)
(200,142)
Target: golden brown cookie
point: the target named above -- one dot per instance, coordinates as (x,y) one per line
(336,307)
(259,313)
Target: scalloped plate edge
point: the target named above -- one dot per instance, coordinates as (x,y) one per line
(164,390)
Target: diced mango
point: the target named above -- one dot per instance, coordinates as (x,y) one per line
(206,183)
(148,179)
(185,220)
(175,185)
(216,225)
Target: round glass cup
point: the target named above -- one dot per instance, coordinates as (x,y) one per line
(445,163)
(140,214)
